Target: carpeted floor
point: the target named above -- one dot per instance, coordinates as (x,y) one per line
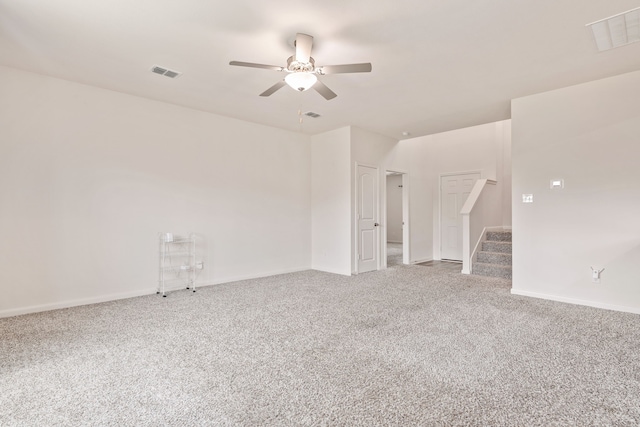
(394,254)
(408,346)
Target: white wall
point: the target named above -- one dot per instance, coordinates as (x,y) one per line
(394,208)
(484,148)
(589,136)
(411,156)
(503,150)
(88,177)
(331,201)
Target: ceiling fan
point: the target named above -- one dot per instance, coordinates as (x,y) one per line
(302,71)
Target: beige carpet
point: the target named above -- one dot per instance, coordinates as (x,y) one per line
(394,254)
(409,346)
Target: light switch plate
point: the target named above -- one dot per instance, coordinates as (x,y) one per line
(527,198)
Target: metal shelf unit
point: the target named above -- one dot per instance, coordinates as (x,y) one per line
(178,262)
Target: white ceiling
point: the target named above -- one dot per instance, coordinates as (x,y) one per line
(437,64)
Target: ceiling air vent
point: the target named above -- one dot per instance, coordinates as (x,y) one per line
(618,30)
(165,72)
(312,114)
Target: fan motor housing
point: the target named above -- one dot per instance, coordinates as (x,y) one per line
(301,67)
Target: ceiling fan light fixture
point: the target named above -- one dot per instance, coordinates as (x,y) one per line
(302,73)
(301,81)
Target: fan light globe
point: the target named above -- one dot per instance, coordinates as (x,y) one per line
(301,81)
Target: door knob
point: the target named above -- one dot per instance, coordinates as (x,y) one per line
(375,224)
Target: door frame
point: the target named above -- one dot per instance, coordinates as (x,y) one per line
(406,255)
(438,248)
(356,237)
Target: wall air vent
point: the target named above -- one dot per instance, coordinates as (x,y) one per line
(616,31)
(312,114)
(165,72)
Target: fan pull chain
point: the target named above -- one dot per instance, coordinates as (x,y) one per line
(300,119)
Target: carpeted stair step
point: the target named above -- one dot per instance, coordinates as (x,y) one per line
(492,270)
(496,246)
(494,258)
(499,236)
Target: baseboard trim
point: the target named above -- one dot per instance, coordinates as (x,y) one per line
(74,303)
(418,261)
(341,273)
(576,301)
(114,297)
(252,276)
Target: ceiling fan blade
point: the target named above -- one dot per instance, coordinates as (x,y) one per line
(253,65)
(345,68)
(323,90)
(273,88)
(303,47)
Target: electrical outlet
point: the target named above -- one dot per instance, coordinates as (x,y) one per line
(595,274)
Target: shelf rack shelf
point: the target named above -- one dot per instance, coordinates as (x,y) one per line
(179,265)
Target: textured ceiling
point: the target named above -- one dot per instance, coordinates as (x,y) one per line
(437,65)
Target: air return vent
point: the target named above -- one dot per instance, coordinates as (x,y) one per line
(165,72)
(312,114)
(618,30)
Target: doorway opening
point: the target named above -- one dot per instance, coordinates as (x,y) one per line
(396,219)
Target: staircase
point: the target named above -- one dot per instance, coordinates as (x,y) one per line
(494,257)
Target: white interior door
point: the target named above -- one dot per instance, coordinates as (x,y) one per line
(454,190)
(367,217)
